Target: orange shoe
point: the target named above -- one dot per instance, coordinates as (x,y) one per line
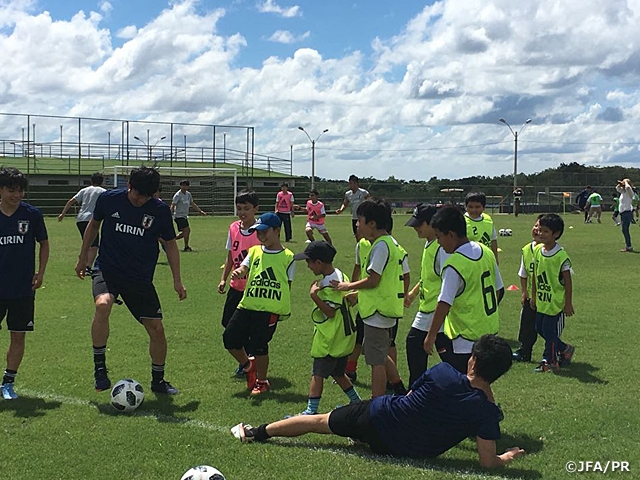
(261,386)
(250,373)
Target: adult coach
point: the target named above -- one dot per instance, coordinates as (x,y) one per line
(132,222)
(180,204)
(581,201)
(21,226)
(443,408)
(625,189)
(86,197)
(353,197)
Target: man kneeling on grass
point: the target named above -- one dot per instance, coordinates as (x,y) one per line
(443,408)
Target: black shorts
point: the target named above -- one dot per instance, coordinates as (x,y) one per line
(181,223)
(359,329)
(354,225)
(140,298)
(329,366)
(82,226)
(394,334)
(19,313)
(251,330)
(230,305)
(354,421)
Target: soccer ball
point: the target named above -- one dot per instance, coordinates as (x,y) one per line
(203,472)
(508,232)
(127,395)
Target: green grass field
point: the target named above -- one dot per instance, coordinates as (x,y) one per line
(61,428)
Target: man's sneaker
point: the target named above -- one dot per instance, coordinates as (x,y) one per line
(545,367)
(8,392)
(250,373)
(352,375)
(244,433)
(518,356)
(565,357)
(239,372)
(187,249)
(164,388)
(261,386)
(102,381)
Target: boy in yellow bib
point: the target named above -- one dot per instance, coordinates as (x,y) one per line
(480,227)
(551,293)
(334,331)
(471,290)
(269,269)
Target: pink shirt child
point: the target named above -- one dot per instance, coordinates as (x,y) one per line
(238,243)
(315,209)
(284,202)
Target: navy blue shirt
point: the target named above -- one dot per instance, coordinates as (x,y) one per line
(442,410)
(129,235)
(18,236)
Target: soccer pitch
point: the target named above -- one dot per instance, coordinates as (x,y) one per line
(61,428)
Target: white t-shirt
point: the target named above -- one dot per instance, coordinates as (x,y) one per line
(338,276)
(566,266)
(453,285)
(378,259)
(422,321)
(291,271)
(355,199)
(182,201)
(87,198)
(626,197)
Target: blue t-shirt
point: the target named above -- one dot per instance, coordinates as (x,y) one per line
(129,235)
(18,236)
(442,410)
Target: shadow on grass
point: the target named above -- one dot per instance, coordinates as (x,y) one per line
(29,407)
(161,407)
(439,464)
(583,372)
(278,385)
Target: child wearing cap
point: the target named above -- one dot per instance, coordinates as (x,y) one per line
(269,269)
(333,327)
(427,289)
(316,215)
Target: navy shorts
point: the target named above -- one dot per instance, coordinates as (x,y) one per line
(354,421)
(181,223)
(329,366)
(19,313)
(140,298)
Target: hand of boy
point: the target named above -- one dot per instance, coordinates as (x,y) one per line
(352,298)
(409,298)
(36,282)
(221,286)
(239,272)
(428,345)
(524,299)
(342,286)
(532,302)
(568,309)
(314,289)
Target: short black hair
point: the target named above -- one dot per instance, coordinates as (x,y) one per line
(97,179)
(315,192)
(11,177)
(145,180)
(379,211)
(493,357)
(185,182)
(553,222)
(284,184)
(247,196)
(353,178)
(479,197)
(450,219)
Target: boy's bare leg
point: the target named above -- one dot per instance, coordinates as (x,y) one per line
(378,380)
(299,425)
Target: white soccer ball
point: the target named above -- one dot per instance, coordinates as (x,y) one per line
(502,232)
(508,232)
(127,395)
(203,472)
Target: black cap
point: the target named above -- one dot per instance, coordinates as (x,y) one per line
(317,250)
(421,214)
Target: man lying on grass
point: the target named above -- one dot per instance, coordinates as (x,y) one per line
(443,408)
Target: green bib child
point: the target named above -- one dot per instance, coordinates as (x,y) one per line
(550,293)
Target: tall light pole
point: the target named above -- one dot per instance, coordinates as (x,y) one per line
(515,148)
(146,144)
(313,154)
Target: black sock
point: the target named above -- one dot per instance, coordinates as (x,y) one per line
(398,388)
(9,376)
(260,433)
(100,357)
(157,373)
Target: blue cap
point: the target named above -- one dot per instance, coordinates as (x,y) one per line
(266,221)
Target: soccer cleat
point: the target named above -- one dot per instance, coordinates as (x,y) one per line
(243,432)
(518,356)
(239,373)
(545,367)
(187,249)
(163,387)
(261,386)
(565,357)
(7,391)
(250,373)
(102,381)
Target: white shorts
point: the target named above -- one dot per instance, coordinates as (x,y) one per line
(318,226)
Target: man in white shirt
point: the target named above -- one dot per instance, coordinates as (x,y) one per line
(180,204)
(353,197)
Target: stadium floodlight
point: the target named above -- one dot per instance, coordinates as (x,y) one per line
(313,154)
(515,148)
(148,145)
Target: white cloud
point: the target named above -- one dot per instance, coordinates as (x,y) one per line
(128,32)
(270,6)
(106,7)
(286,37)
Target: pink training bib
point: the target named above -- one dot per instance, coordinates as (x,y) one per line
(284,201)
(315,209)
(240,244)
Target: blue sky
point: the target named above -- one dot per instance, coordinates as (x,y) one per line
(410,89)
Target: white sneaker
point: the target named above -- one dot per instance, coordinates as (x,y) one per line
(307,241)
(243,432)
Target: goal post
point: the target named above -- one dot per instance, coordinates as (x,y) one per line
(213,189)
